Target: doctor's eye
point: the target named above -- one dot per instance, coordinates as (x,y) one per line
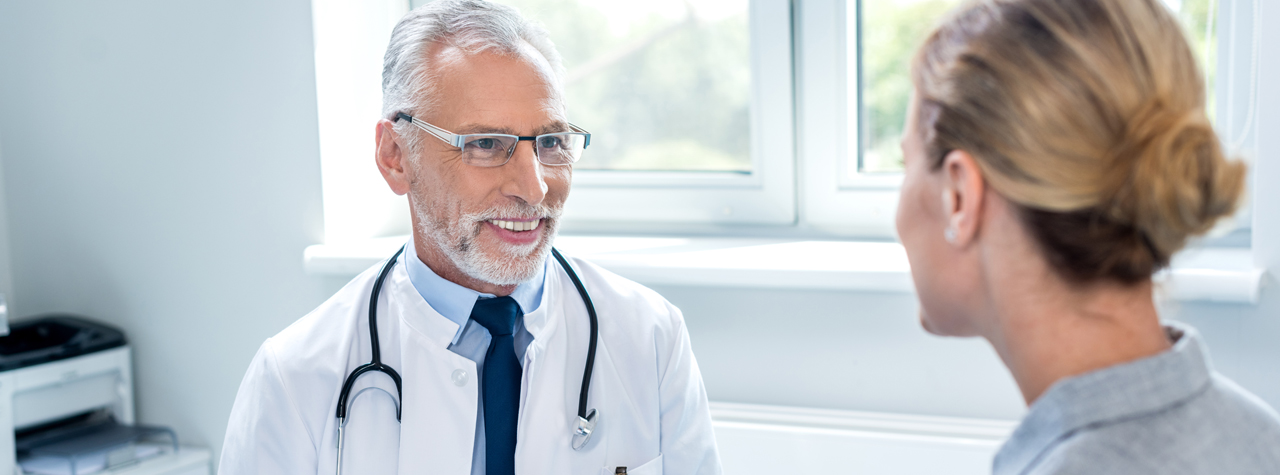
(549,142)
(484,143)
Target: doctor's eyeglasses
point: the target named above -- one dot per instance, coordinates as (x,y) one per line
(494,150)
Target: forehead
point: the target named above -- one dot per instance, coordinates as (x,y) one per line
(516,91)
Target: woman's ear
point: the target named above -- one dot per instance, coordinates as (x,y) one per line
(962,197)
(392,157)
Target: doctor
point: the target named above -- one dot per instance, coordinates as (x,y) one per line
(485,328)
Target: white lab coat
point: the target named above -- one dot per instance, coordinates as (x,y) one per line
(646,386)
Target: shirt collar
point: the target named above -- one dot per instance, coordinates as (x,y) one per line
(455,301)
(1132,389)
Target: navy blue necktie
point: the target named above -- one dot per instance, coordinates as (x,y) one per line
(501,386)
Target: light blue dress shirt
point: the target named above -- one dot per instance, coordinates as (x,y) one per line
(472,340)
(1165,414)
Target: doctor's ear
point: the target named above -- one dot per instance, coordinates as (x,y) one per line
(962,197)
(392,157)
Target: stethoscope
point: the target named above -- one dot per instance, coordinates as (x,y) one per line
(586,421)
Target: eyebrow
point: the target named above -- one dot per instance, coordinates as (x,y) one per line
(473,128)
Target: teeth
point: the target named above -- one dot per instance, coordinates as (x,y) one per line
(517,226)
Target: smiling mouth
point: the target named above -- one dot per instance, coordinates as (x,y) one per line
(516,226)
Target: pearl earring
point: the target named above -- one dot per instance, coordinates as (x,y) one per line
(950,235)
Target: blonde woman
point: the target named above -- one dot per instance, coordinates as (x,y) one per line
(1057,154)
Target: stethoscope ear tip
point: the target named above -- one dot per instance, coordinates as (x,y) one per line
(586,426)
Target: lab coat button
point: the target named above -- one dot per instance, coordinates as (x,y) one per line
(459,377)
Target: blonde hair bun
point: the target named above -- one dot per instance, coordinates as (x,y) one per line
(1177,183)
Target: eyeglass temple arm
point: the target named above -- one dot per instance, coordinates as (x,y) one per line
(449,137)
(586,141)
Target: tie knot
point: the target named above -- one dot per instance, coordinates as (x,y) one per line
(498,315)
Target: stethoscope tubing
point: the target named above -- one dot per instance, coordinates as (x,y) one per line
(375,364)
(591,346)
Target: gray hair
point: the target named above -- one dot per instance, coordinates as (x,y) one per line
(473,26)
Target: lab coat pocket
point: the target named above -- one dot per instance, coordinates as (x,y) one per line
(652,467)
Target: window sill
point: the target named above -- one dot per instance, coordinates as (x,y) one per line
(1208,275)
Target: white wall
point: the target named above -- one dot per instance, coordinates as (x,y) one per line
(161,173)
(6,276)
(838,350)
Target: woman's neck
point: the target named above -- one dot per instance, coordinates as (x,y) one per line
(1049,331)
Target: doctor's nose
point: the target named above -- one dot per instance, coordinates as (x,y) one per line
(523,175)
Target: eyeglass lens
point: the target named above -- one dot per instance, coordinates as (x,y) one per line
(495,150)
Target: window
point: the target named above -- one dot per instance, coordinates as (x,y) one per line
(711,116)
(350,39)
(690,107)
(859,51)
(1199,17)
(883,34)
(886,33)
(663,85)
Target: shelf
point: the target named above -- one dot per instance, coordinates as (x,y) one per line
(1213,275)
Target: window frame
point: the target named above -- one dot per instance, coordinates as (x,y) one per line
(358,206)
(863,205)
(764,197)
(801,96)
(1236,89)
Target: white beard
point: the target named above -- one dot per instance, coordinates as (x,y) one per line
(512,264)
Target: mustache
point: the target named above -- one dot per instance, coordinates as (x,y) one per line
(515,211)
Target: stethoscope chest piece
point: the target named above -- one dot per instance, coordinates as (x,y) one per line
(586,426)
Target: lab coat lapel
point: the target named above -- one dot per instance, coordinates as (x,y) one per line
(552,375)
(533,432)
(441,392)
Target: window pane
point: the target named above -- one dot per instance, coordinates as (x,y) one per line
(1199,20)
(661,85)
(891,31)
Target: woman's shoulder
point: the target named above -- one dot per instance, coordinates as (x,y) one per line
(1224,429)
(1167,413)
(1240,417)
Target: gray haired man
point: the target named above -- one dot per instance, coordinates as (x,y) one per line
(482,339)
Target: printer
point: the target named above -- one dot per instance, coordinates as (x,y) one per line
(66,405)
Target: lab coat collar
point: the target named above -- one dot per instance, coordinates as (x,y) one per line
(537,321)
(454,301)
(409,307)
